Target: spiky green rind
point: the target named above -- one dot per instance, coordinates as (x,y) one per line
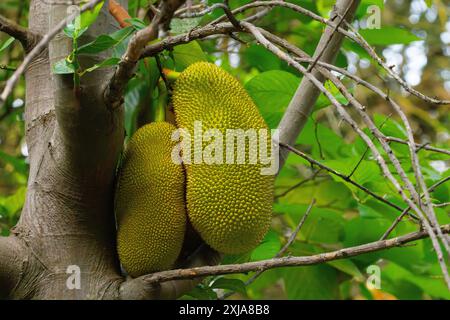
(150,208)
(229,205)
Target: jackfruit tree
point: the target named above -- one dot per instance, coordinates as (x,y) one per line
(118,179)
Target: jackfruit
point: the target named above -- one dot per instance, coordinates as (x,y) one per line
(228,204)
(149,202)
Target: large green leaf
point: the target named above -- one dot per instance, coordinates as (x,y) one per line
(262,59)
(431,285)
(311,282)
(187,54)
(272,91)
(268,248)
(388,35)
(6,44)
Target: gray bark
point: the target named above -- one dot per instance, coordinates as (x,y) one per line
(302,104)
(74,144)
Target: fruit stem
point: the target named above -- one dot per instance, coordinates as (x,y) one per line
(171,75)
(160,114)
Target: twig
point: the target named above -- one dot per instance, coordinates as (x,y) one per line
(178,274)
(374,130)
(405,211)
(297,185)
(366,46)
(114,90)
(343,177)
(40,46)
(354,36)
(443,204)
(318,56)
(425,206)
(419,147)
(282,251)
(303,101)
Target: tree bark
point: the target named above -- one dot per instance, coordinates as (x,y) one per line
(302,104)
(74,143)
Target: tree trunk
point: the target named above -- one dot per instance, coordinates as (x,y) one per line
(74,142)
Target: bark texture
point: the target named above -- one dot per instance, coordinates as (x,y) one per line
(74,142)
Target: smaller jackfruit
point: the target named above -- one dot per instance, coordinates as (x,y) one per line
(149,199)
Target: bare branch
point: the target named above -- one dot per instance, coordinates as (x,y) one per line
(181,274)
(40,46)
(342,176)
(27,38)
(419,147)
(199,33)
(366,46)
(125,70)
(138,289)
(406,210)
(302,104)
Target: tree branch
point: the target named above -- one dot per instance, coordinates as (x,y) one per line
(302,104)
(137,289)
(27,38)
(192,273)
(342,176)
(114,91)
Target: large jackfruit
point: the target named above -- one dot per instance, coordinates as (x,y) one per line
(150,208)
(229,204)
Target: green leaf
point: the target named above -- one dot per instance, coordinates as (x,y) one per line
(272,91)
(322,225)
(178,26)
(268,248)
(429,284)
(229,284)
(101,43)
(258,57)
(388,35)
(121,34)
(311,282)
(429,3)
(88,17)
(137,24)
(63,67)
(6,44)
(202,293)
(349,267)
(105,63)
(323,100)
(187,54)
